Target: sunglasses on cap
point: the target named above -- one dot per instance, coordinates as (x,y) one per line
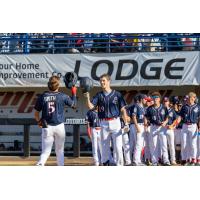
(155,97)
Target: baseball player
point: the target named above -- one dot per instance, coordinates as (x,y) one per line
(138,120)
(147,154)
(190,113)
(51,104)
(94,130)
(157,115)
(110,104)
(168,137)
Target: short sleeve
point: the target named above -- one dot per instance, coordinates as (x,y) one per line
(67,100)
(135,110)
(38,105)
(121,101)
(95,100)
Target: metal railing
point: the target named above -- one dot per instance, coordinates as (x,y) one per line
(26,43)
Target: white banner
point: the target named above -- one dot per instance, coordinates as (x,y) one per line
(126,69)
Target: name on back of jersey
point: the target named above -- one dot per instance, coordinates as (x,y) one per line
(50,98)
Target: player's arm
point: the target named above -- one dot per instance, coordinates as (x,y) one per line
(134,118)
(38,108)
(164,123)
(125,118)
(90,104)
(89,132)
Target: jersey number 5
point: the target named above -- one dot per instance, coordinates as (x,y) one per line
(51,107)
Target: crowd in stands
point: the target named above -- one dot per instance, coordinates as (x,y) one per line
(96,42)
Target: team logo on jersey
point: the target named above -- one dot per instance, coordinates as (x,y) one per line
(196,109)
(171,114)
(115,100)
(162,112)
(102,108)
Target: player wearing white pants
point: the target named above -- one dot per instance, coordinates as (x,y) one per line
(168,137)
(189,142)
(111,129)
(96,145)
(94,133)
(51,104)
(157,116)
(111,105)
(125,144)
(147,154)
(49,135)
(140,136)
(190,115)
(132,140)
(198,149)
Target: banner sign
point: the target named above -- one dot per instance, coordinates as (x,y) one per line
(126,69)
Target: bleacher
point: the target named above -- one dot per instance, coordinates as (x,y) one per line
(58,43)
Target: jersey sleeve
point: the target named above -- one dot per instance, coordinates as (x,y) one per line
(95,100)
(121,101)
(67,100)
(38,105)
(135,110)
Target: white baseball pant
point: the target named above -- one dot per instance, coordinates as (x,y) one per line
(177,133)
(111,129)
(147,154)
(126,147)
(167,137)
(49,135)
(96,145)
(189,141)
(132,139)
(139,144)
(154,143)
(198,147)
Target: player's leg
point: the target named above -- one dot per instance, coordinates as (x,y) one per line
(146,149)
(153,144)
(184,143)
(163,144)
(115,128)
(59,134)
(198,149)
(47,143)
(126,148)
(105,143)
(171,142)
(132,139)
(177,135)
(193,143)
(139,145)
(95,146)
(99,147)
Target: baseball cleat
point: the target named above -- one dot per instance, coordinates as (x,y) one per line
(197,164)
(167,164)
(192,164)
(174,163)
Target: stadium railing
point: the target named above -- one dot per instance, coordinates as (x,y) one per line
(26,43)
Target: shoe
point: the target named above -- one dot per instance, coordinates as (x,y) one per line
(148,163)
(134,164)
(192,164)
(197,164)
(39,164)
(167,164)
(141,164)
(187,164)
(173,163)
(107,163)
(154,164)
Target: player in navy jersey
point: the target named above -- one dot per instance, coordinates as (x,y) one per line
(94,130)
(110,106)
(168,137)
(157,117)
(52,104)
(190,114)
(138,114)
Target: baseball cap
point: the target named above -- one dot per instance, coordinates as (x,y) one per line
(165,99)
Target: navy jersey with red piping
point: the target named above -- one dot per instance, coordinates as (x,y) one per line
(52,105)
(109,106)
(156,115)
(190,113)
(139,112)
(92,118)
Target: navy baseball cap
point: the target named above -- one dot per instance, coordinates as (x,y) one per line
(166,99)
